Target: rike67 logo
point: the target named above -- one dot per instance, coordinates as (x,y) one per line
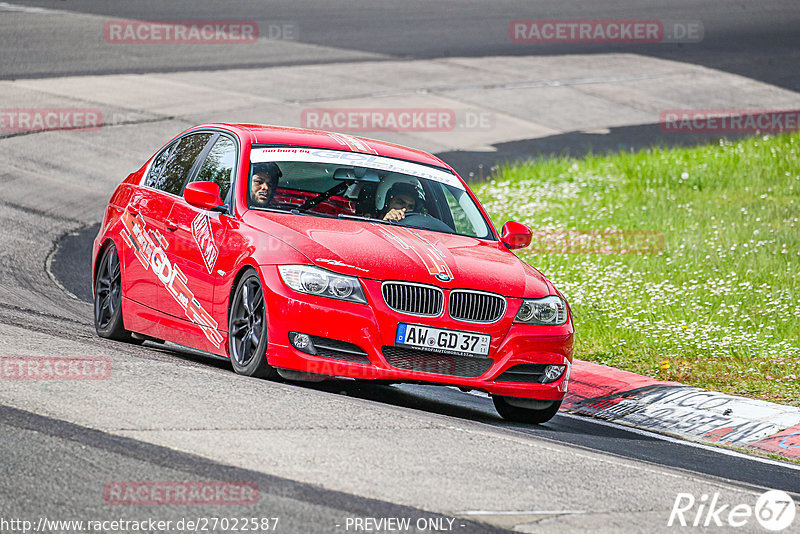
(774,510)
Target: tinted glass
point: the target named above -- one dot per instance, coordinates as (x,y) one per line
(219,166)
(463,212)
(179,162)
(158,165)
(333,190)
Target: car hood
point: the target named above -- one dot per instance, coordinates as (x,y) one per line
(394,252)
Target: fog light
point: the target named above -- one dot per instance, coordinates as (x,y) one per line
(552,373)
(302,342)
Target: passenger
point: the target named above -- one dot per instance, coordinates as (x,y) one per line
(264,184)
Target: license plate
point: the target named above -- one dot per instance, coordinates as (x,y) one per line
(443,341)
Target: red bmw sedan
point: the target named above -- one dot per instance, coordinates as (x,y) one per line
(312,255)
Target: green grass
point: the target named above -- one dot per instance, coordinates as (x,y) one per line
(717,305)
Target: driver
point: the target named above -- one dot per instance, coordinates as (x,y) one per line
(401,198)
(264,184)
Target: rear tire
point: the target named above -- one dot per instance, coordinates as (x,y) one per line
(108,320)
(536,416)
(247,329)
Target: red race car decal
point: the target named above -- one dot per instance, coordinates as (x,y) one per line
(353,143)
(341,264)
(204,237)
(149,246)
(431,256)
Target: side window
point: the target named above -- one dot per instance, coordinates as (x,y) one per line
(219,166)
(158,165)
(177,162)
(460,219)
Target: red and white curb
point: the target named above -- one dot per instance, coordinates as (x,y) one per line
(670,408)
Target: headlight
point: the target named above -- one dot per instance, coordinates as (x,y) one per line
(315,281)
(546,311)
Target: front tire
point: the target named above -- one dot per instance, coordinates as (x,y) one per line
(108,298)
(247,329)
(525,410)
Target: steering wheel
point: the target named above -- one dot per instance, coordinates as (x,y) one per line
(424,221)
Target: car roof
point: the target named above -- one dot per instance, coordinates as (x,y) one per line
(280,135)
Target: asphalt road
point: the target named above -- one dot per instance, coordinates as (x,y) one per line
(318,453)
(71,264)
(75,490)
(757,40)
(66,38)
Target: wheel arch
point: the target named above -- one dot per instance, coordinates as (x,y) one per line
(107,241)
(124,334)
(239,274)
(247,265)
(264,370)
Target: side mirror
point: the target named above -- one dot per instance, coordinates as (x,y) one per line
(516,235)
(204,195)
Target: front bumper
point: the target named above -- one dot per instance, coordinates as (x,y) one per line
(372,328)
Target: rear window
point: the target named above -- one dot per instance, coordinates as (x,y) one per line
(172,166)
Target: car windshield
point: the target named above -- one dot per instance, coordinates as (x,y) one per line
(373,188)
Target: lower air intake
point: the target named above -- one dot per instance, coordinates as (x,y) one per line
(431,362)
(529,373)
(339,350)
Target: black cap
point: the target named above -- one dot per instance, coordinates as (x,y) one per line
(270,168)
(404,188)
